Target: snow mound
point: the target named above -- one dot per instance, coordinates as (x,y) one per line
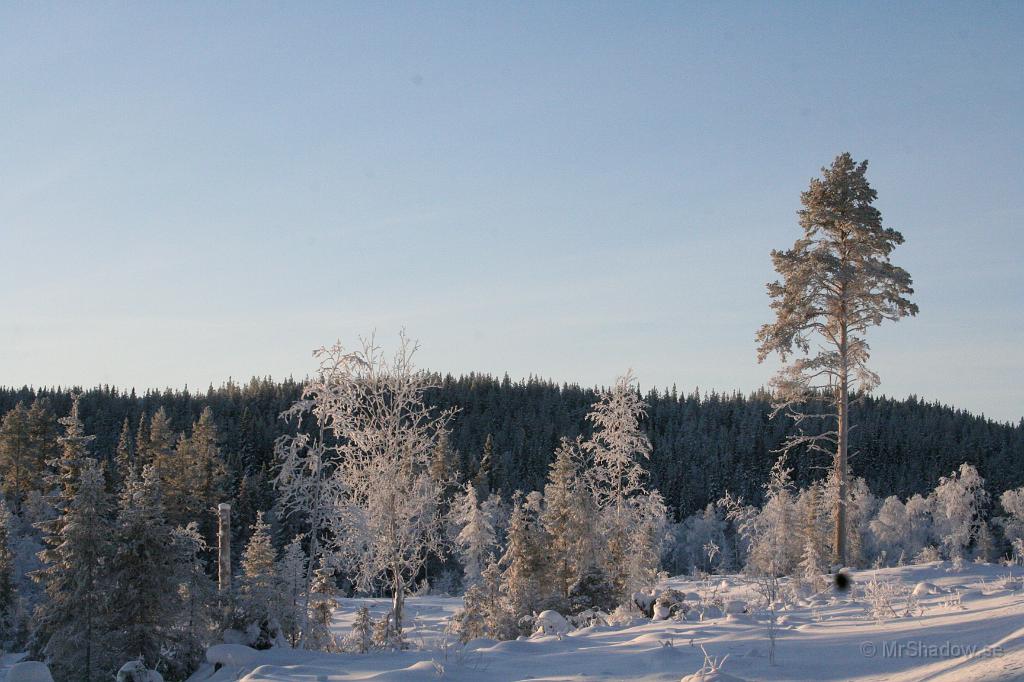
(551,623)
(735,606)
(235,655)
(644,602)
(136,671)
(29,671)
(709,612)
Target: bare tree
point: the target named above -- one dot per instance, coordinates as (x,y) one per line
(837,282)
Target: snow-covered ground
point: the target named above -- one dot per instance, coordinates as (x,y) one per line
(825,638)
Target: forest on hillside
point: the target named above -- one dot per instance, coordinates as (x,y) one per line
(704,443)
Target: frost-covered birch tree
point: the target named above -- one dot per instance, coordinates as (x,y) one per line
(958,505)
(386,519)
(837,282)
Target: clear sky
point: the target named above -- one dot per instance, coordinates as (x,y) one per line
(191,191)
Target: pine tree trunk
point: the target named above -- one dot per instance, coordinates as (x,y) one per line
(843,413)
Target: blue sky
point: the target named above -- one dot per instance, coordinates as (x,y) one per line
(192,191)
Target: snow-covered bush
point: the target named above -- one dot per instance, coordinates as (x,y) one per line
(589,618)
(551,623)
(711,670)
(901,528)
(485,611)
(888,599)
(593,590)
(696,533)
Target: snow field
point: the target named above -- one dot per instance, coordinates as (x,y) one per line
(970,627)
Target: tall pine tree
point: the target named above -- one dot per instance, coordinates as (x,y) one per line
(837,282)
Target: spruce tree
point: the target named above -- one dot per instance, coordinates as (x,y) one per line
(43,431)
(360,640)
(19,470)
(567,518)
(8,594)
(837,282)
(72,626)
(66,467)
(476,537)
(124,454)
(812,560)
(260,597)
(142,453)
(197,618)
(443,469)
(524,575)
(207,460)
(160,452)
(292,572)
(144,599)
(484,479)
(196,483)
(322,606)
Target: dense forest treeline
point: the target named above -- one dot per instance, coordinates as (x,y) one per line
(704,444)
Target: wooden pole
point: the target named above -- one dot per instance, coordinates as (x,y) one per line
(224,548)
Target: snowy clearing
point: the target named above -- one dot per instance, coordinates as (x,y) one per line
(971,628)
